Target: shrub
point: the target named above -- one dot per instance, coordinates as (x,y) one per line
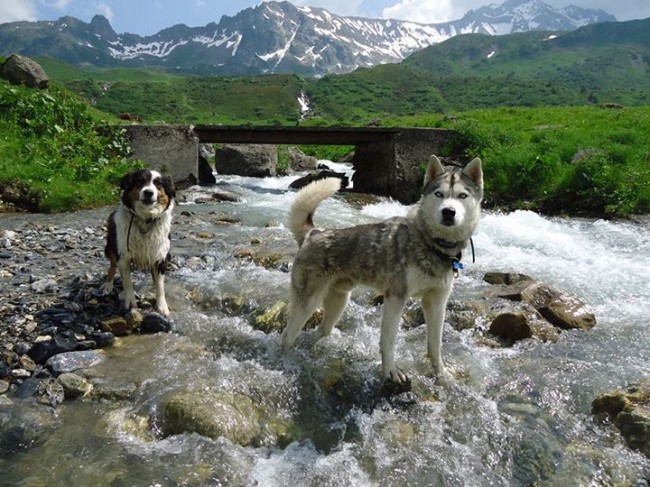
(51,144)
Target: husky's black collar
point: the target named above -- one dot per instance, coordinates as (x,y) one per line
(454,260)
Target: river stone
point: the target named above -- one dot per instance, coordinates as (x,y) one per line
(155,323)
(25,426)
(630,412)
(254,160)
(226,196)
(505,278)
(117,325)
(298,161)
(62,342)
(568,312)
(206,175)
(213,414)
(74,385)
(71,361)
(50,393)
(311,177)
(561,310)
(272,319)
(512,326)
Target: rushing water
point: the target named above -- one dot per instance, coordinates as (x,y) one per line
(512,416)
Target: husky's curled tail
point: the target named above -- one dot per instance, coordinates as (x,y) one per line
(307,200)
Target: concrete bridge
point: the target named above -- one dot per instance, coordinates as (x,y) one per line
(387,161)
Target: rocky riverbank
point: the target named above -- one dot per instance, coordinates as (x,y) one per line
(54,321)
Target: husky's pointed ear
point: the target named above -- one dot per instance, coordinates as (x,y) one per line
(474,171)
(434,169)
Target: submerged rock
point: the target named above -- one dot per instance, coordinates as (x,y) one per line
(630,412)
(215,414)
(25,426)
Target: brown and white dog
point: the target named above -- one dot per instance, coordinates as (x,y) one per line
(139,233)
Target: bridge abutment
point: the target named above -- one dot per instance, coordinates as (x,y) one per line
(387,161)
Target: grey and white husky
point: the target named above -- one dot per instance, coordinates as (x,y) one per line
(416,255)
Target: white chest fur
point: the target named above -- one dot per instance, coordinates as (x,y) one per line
(143,242)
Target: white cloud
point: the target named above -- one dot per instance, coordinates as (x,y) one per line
(424,11)
(105,10)
(14,10)
(57,4)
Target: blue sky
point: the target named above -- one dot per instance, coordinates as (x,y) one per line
(146,17)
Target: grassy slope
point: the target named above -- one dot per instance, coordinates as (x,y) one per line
(50,149)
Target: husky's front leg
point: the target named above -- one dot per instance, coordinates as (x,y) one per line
(393,306)
(433,306)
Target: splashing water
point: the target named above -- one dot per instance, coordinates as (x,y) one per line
(512,417)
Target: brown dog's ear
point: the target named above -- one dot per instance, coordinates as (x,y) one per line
(434,169)
(168,184)
(127,180)
(474,171)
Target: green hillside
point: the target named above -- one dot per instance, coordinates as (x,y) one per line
(560,120)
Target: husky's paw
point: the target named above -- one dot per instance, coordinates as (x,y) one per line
(448,374)
(397,376)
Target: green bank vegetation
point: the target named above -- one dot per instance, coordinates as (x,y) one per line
(588,160)
(52,158)
(569,157)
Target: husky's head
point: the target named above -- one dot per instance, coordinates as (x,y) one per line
(451,201)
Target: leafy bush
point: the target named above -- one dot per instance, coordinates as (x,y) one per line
(50,143)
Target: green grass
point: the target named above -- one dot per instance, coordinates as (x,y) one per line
(573,160)
(49,146)
(544,145)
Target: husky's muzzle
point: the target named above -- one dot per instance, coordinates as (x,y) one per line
(448,216)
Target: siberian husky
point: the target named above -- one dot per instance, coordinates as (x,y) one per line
(416,255)
(139,233)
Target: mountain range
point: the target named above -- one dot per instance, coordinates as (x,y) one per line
(277,37)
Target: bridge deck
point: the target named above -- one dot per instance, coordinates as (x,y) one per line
(294,135)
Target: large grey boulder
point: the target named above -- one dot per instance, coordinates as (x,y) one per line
(21,70)
(247,160)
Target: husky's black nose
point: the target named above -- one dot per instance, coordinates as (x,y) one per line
(448,215)
(147,195)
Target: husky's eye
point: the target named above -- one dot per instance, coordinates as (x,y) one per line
(439,194)
(157,182)
(462,196)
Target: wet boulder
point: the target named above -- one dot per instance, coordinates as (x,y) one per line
(568,312)
(25,426)
(563,311)
(629,410)
(206,174)
(519,324)
(298,161)
(74,385)
(72,361)
(247,160)
(213,414)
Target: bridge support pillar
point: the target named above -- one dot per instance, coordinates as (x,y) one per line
(170,149)
(395,167)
